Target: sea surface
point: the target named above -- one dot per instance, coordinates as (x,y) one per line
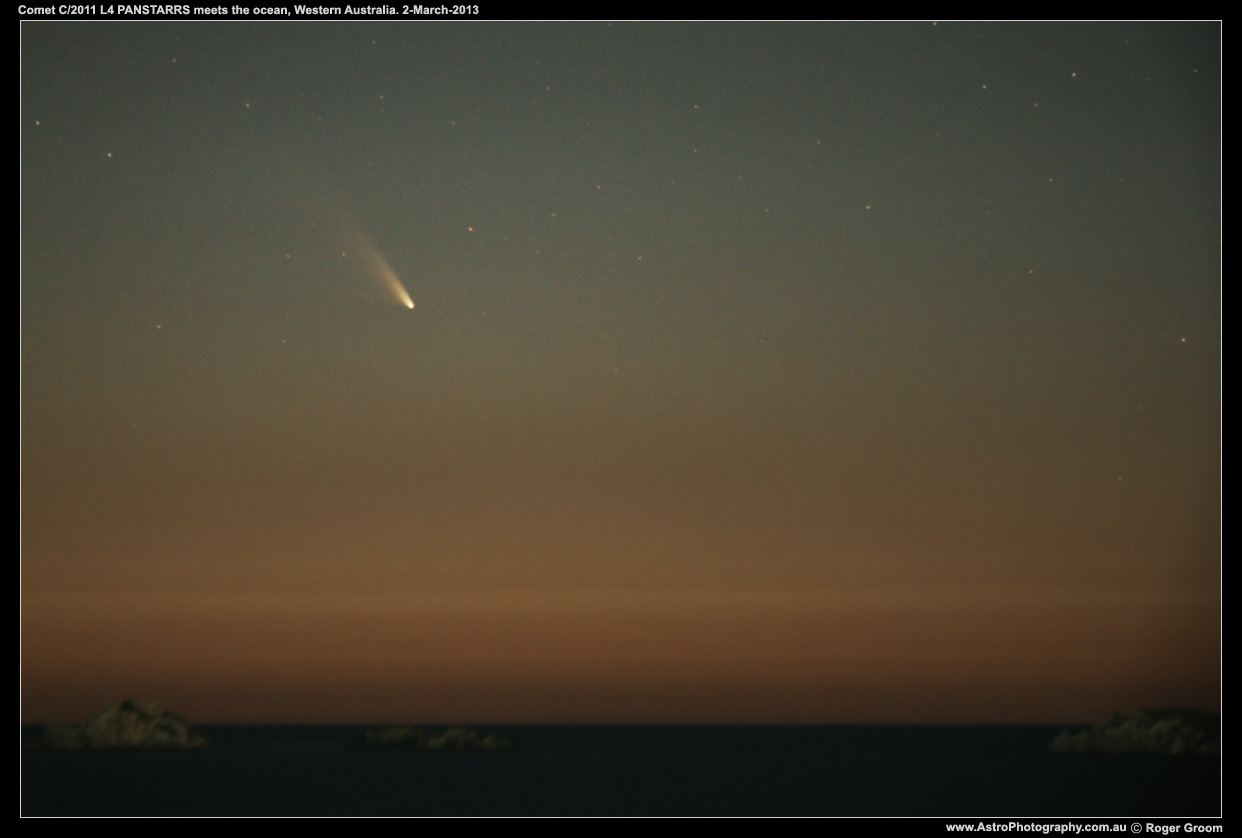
(934,771)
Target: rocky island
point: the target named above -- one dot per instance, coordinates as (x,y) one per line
(128,726)
(404,738)
(1167,731)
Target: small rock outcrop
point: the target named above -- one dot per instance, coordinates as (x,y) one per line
(128,726)
(1169,731)
(402,738)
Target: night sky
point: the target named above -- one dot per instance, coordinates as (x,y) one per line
(817,372)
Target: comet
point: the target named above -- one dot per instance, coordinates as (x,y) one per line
(389,278)
(377,265)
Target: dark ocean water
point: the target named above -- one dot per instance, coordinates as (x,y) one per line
(619,770)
